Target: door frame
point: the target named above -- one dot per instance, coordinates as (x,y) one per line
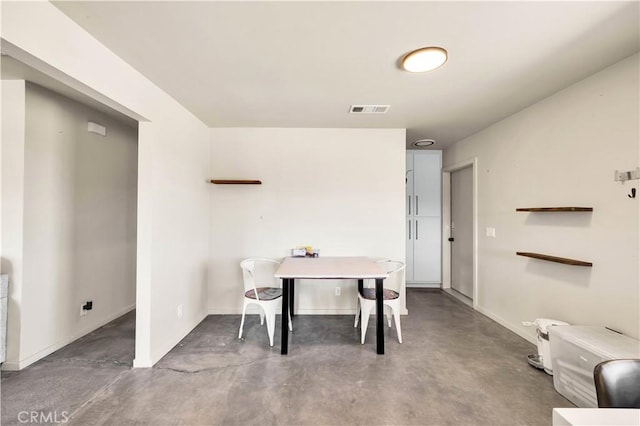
(446,223)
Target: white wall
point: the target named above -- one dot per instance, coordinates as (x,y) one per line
(561,151)
(12,202)
(173,146)
(78,225)
(339,190)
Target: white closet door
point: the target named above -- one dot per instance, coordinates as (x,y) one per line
(426,249)
(409,239)
(426,183)
(408,197)
(409,206)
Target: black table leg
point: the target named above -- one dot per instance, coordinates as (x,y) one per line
(284,343)
(360,288)
(379,316)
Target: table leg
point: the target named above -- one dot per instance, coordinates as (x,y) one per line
(291,290)
(379,316)
(360,288)
(284,343)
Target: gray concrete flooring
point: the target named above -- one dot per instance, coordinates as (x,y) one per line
(455,367)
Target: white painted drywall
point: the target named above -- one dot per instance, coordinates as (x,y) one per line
(339,190)
(561,151)
(176,177)
(173,153)
(12,203)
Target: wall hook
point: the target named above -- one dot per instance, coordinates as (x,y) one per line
(633,193)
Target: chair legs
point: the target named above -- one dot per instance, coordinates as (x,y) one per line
(268,313)
(244,310)
(396,317)
(271,325)
(364,308)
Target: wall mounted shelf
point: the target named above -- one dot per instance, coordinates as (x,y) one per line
(546,257)
(555,209)
(235,182)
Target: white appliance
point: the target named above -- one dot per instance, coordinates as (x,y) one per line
(576,350)
(543,359)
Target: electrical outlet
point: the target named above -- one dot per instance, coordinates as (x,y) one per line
(491,232)
(337,291)
(179,311)
(83,311)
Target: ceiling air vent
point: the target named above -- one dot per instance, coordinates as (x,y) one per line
(369,109)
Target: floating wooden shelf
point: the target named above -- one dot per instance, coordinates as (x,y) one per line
(236,182)
(554,259)
(555,209)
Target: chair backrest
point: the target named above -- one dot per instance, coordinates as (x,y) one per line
(618,383)
(259,272)
(395,269)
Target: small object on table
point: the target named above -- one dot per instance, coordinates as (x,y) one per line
(298,252)
(305,251)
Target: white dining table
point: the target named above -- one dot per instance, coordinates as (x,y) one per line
(596,417)
(329,268)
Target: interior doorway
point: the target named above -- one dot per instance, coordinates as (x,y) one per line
(459,242)
(76,160)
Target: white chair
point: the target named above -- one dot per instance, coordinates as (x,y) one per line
(392,289)
(260,289)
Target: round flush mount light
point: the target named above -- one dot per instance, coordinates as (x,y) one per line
(424,59)
(424,142)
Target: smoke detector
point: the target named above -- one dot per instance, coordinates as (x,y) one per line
(369,109)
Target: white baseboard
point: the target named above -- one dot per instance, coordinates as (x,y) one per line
(423,285)
(224,311)
(506,324)
(19,365)
(349,311)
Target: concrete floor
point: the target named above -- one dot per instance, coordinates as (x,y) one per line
(455,367)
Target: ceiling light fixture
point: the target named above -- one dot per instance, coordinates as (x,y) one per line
(424,142)
(425,59)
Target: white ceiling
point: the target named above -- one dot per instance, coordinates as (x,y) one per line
(302,64)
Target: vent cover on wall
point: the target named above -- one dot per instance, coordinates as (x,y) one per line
(369,109)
